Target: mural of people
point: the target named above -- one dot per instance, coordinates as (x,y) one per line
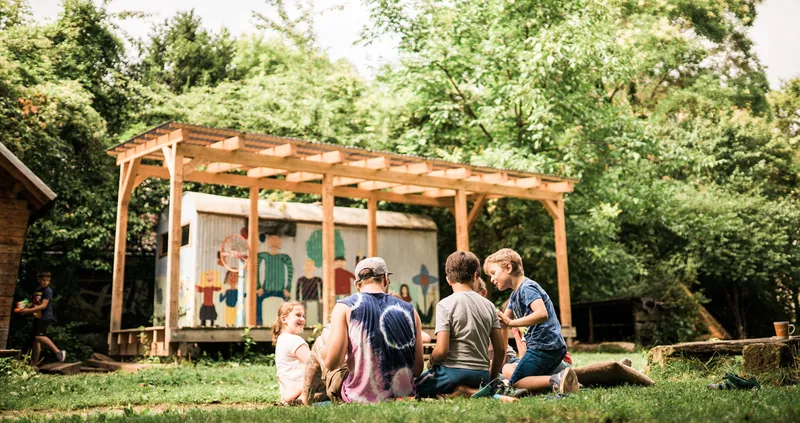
(309,290)
(405,295)
(230,297)
(209,283)
(278,271)
(344,278)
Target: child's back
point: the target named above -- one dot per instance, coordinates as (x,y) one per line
(469,318)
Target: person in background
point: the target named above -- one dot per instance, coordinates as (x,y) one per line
(42,310)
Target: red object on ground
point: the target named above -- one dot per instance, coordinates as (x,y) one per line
(568,359)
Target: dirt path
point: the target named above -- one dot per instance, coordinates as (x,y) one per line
(136,409)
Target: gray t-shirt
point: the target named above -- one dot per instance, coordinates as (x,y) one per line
(469,318)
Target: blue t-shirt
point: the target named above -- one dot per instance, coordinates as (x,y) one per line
(545,335)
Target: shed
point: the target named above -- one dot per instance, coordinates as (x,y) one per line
(22,196)
(289,238)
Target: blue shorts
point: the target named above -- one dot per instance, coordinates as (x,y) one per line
(537,363)
(441,380)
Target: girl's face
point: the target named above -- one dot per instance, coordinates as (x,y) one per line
(404,291)
(295,321)
(501,278)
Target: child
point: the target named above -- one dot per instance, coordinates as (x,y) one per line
(531,310)
(465,322)
(42,311)
(511,356)
(291,351)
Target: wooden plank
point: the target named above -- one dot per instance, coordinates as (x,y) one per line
(439,193)
(372,227)
(335,156)
(252,260)
(230,144)
(462,230)
(525,182)
(492,178)
(174,247)
(61,368)
(15,354)
(564,301)
(458,173)
(373,163)
(86,369)
(559,186)
(299,187)
(10,258)
(151,146)
(12,240)
(409,189)
(126,174)
(7,284)
(328,248)
(101,357)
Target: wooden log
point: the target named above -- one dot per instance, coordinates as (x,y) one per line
(661,355)
(15,354)
(61,368)
(85,369)
(101,357)
(116,365)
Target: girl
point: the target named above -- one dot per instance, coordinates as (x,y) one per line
(291,350)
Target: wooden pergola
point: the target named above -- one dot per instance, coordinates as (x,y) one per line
(190,153)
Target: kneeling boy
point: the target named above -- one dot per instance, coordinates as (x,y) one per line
(465,322)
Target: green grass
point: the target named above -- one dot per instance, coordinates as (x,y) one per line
(680,394)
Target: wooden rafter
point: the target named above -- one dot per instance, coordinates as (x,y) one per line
(151,146)
(413,169)
(373,163)
(335,156)
(284,150)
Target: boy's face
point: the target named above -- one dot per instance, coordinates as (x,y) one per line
(500,276)
(44,281)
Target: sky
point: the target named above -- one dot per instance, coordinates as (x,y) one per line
(776,31)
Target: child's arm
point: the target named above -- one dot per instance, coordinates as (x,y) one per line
(303,353)
(41,306)
(419,354)
(442,347)
(539,315)
(496,336)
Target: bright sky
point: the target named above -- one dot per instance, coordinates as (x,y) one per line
(776,32)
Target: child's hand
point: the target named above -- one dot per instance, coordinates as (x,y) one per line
(504,320)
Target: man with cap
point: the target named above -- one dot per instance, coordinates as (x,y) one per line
(374,349)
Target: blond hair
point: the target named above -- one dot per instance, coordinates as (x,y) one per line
(283,311)
(503,257)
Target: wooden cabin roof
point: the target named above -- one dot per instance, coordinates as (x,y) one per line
(30,186)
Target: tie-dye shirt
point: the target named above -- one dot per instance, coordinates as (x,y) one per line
(380,355)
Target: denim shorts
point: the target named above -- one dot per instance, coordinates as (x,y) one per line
(441,380)
(537,363)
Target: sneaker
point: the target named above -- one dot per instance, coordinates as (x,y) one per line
(565,382)
(61,355)
(626,362)
(490,389)
(521,393)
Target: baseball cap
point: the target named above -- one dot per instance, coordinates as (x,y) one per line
(371,267)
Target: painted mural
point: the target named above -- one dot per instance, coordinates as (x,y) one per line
(290,268)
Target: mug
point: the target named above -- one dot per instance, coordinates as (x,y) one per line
(782,330)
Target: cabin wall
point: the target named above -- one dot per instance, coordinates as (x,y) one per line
(410,254)
(14,215)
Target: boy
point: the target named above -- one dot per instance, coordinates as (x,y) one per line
(510,359)
(465,322)
(42,311)
(530,309)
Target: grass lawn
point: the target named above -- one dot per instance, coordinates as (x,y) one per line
(243,394)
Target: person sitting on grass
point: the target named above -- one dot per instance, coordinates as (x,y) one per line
(291,350)
(531,310)
(374,349)
(465,323)
(42,311)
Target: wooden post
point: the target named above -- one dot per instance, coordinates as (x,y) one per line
(564,302)
(252,259)
(328,248)
(127,174)
(462,223)
(372,227)
(174,243)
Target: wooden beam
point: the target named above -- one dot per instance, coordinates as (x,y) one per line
(127,174)
(305,188)
(413,168)
(438,192)
(151,146)
(192,165)
(458,173)
(524,182)
(284,150)
(335,156)
(230,144)
(174,245)
(408,189)
(475,211)
(169,160)
(328,249)
(252,259)
(564,301)
(372,227)
(559,186)
(373,163)
(492,178)
(462,230)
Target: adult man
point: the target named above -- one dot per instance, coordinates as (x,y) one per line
(42,310)
(374,349)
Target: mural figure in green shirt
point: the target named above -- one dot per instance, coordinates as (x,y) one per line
(278,271)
